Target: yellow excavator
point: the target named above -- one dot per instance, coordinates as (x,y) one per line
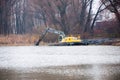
(63,40)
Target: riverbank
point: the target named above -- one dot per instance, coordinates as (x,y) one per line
(29,40)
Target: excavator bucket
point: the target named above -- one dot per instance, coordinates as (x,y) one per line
(41,38)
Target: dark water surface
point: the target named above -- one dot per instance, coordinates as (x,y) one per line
(60,63)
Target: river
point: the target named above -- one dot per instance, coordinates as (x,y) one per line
(60,63)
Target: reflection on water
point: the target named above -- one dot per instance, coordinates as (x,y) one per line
(97,72)
(75,72)
(60,63)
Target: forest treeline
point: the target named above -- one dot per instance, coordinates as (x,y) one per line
(70,16)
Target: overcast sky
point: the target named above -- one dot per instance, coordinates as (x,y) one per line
(96,5)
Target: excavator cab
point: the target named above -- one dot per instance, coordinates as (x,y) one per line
(71,40)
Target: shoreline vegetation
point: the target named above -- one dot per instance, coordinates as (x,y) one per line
(31,39)
(18,40)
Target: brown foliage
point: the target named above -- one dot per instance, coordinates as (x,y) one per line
(18,39)
(107,28)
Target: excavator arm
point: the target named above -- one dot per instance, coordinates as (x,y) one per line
(41,38)
(60,33)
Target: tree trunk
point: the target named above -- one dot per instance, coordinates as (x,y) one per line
(87,24)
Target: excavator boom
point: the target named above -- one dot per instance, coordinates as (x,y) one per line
(56,32)
(60,33)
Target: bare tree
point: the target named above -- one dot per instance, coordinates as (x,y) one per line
(114,7)
(89,17)
(100,9)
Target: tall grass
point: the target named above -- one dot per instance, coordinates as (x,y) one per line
(12,39)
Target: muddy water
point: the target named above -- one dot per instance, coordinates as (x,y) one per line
(60,63)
